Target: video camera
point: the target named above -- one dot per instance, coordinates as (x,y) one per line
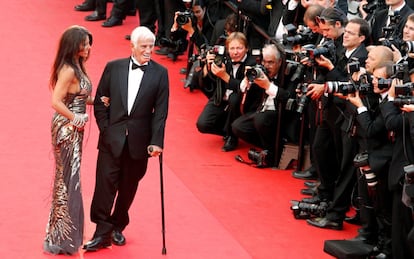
(303,210)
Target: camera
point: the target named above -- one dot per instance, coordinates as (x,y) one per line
(361,161)
(404,90)
(219,51)
(258,157)
(303,99)
(303,210)
(400,70)
(364,85)
(370,7)
(353,66)
(327,49)
(300,36)
(184,17)
(407,47)
(384,83)
(255,72)
(344,88)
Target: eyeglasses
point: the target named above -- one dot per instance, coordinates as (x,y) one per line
(351,33)
(323,20)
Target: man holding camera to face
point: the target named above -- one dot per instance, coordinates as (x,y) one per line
(223,72)
(352,57)
(259,126)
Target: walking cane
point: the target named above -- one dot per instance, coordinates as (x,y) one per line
(164,249)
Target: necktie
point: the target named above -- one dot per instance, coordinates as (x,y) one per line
(135,66)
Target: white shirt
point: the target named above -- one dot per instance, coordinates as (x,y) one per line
(134,82)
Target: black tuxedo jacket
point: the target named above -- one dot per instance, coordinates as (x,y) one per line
(146,123)
(375,135)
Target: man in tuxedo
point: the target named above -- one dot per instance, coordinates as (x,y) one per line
(355,33)
(131,129)
(382,20)
(259,126)
(222,74)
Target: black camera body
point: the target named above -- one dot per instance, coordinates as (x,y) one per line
(303,210)
(300,36)
(353,66)
(327,49)
(184,17)
(303,99)
(258,157)
(403,94)
(255,72)
(407,47)
(384,83)
(219,52)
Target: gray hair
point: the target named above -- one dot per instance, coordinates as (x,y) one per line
(141,33)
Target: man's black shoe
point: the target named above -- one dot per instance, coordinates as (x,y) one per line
(355,220)
(310,184)
(325,223)
(162,51)
(97,243)
(231,144)
(309,191)
(111,22)
(118,238)
(84,7)
(95,17)
(308,174)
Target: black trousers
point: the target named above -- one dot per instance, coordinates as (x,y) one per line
(115,177)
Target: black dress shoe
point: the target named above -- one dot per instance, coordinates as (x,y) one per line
(231,144)
(118,238)
(355,220)
(309,191)
(84,7)
(95,17)
(311,184)
(325,223)
(97,243)
(112,21)
(308,174)
(162,51)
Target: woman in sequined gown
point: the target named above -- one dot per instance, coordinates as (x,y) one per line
(71,92)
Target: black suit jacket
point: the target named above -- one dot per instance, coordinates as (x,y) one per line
(146,122)
(403,152)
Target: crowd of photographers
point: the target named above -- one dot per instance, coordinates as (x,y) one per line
(338,75)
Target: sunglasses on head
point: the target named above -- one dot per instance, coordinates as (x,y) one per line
(323,20)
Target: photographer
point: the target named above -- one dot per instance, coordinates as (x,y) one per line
(388,23)
(223,73)
(373,137)
(403,154)
(259,126)
(354,54)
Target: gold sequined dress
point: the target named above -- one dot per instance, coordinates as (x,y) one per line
(64,231)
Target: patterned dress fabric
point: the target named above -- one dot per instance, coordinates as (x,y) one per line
(64,231)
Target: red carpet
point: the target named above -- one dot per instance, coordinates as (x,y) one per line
(214,206)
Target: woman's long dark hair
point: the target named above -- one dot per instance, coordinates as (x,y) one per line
(69,46)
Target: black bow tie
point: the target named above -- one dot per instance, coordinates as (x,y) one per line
(236,62)
(135,66)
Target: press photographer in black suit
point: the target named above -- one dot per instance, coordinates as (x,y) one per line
(356,32)
(259,126)
(403,155)
(375,142)
(223,73)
